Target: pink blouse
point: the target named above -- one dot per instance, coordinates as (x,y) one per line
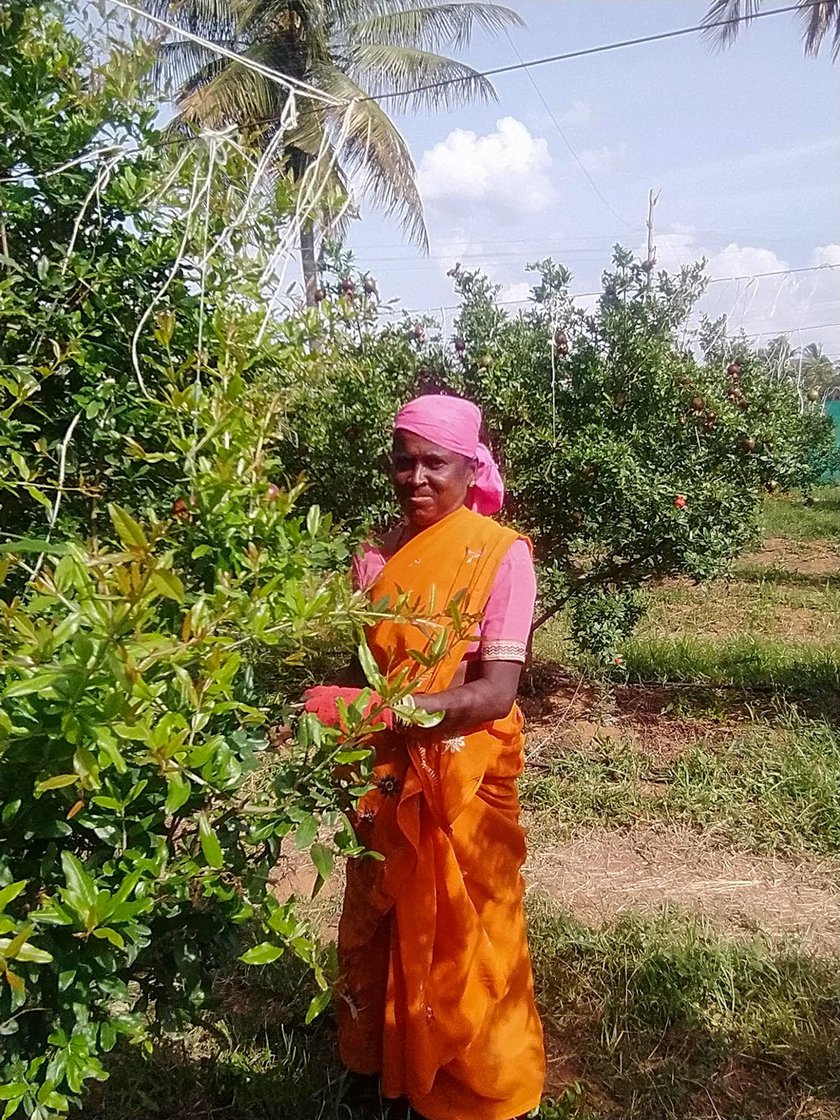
(509,614)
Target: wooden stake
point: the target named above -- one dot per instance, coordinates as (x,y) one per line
(650,260)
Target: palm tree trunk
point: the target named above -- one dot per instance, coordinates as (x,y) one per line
(308,262)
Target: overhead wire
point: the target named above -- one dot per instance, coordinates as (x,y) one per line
(553,117)
(714,280)
(586,52)
(308,90)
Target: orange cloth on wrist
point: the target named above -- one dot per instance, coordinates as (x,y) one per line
(321,702)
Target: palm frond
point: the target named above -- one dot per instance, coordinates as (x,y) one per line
(741,10)
(398,71)
(179,61)
(234,95)
(819,19)
(355,51)
(211,19)
(373,151)
(432,25)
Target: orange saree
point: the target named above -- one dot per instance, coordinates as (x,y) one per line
(435,991)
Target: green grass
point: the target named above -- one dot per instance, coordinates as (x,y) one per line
(747,660)
(769,789)
(654,1016)
(666,1019)
(791,518)
(768,604)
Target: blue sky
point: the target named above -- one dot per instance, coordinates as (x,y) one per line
(743,144)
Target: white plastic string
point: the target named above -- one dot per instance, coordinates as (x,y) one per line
(313,185)
(22,176)
(59,490)
(103,178)
(287,120)
(196,197)
(248,63)
(552,349)
(212,147)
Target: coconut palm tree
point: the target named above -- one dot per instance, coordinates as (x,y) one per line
(356,53)
(820,18)
(815,368)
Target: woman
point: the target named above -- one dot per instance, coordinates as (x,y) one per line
(435,989)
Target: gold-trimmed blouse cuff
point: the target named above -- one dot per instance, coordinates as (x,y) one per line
(503,651)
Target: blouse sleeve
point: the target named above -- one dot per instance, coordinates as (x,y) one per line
(366,564)
(509,614)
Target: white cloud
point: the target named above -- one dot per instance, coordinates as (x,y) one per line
(579,114)
(506,169)
(674,249)
(805,305)
(825,255)
(744,260)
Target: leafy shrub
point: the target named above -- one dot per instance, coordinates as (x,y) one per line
(162,596)
(627,457)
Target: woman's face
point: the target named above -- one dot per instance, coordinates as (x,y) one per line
(430,481)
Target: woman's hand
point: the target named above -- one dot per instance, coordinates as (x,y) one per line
(322,701)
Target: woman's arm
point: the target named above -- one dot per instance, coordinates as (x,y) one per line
(491,696)
(506,627)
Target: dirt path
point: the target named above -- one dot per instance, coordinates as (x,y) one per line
(604,873)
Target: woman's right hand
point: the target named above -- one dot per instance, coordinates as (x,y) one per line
(321,701)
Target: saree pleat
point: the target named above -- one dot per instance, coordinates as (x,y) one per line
(435,989)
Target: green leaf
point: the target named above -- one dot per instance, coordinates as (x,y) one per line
(86,765)
(24,952)
(178,792)
(59,781)
(128,530)
(78,880)
(264,953)
(306,832)
(318,1004)
(29,544)
(108,1036)
(10,892)
(36,683)
(323,859)
(420,718)
(438,646)
(370,668)
(105,933)
(210,845)
(168,584)
(11,946)
(108,745)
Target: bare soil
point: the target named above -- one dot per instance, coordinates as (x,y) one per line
(604,873)
(576,713)
(813,558)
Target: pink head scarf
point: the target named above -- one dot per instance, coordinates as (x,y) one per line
(455,424)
